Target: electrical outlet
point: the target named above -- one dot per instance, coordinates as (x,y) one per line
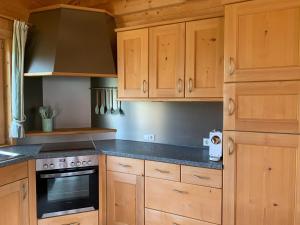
(149,137)
(206,142)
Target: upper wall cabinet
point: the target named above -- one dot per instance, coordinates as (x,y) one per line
(166,60)
(204,58)
(262,41)
(133,63)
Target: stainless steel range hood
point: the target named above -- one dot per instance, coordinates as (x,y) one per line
(71,42)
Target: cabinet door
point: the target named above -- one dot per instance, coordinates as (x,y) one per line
(133,64)
(125,199)
(262,41)
(261,179)
(166,62)
(14,203)
(204,58)
(262,106)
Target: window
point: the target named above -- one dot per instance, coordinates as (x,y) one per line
(2,96)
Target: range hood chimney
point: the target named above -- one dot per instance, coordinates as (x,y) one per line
(70,42)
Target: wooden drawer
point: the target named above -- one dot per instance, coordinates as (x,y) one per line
(197,202)
(262,107)
(15,172)
(162,170)
(153,217)
(201,176)
(125,165)
(87,218)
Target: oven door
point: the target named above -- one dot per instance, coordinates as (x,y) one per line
(61,192)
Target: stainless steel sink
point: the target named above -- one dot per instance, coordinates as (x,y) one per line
(8,155)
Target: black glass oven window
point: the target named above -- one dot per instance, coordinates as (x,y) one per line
(68,188)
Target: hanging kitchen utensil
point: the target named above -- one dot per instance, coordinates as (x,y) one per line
(101,103)
(97,108)
(120,109)
(112,110)
(105,101)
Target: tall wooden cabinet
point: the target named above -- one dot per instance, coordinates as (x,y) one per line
(261,179)
(262,41)
(133,63)
(166,60)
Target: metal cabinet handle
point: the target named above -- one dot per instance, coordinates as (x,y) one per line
(162,171)
(176,223)
(144,86)
(24,191)
(231,147)
(231,66)
(202,177)
(179,85)
(190,86)
(231,107)
(74,223)
(125,165)
(180,192)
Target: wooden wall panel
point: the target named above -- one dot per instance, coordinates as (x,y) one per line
(18,9)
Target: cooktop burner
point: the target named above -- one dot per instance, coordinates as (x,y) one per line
(68,146)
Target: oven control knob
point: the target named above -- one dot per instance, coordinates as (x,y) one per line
(51,165)
(72,164)
(78,163)
(84,163)
(45,166)
(89,162)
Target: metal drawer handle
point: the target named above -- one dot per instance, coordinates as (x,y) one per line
(162,171)
(202,177)
(190,86)
(74,223)
(125,165)
(231,66)
(231,107)
(144,86)
(230,146)
(179,85)
(180,192)
(176,223)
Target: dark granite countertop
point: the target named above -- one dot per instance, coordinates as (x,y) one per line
(131,149)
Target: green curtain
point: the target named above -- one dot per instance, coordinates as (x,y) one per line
(18,49)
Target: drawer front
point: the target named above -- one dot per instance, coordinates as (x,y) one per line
(262,107)
(153,217)
(88,218)
(125,165)
(9,174)
(197,202)
(162,170)
(201,176)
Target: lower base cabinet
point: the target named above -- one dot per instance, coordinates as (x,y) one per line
(261,179)
(153,217)
(14,205)
(87,218)
(125,199)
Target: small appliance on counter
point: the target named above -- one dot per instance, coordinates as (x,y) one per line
(215,145)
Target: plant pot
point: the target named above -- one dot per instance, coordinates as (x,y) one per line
(47,125)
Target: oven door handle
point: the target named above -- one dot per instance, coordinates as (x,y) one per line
(68,174)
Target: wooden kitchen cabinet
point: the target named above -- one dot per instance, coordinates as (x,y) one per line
(86,218)
(262,106)
(125,199)
(14,203)
(166,61)
(261,179)
(262,41)
(204,59)
(133,64)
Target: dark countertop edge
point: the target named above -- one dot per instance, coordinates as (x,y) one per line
(15,161)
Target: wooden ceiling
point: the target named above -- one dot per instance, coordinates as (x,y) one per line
(136,12)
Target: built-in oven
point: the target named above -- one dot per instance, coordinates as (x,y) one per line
(67,185)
